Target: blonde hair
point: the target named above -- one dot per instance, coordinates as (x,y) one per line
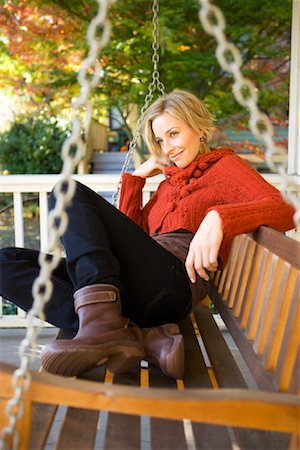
(182,105)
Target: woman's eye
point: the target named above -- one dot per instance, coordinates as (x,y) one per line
(173,133)
(159,141)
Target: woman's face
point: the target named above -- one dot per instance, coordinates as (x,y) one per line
(178,142)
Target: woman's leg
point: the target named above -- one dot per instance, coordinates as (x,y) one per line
(104,246)
(115,251)
(18,269)
(109,258)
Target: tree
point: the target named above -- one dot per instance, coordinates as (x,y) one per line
(41,51)
(188,54)
(43,44)
(32,146)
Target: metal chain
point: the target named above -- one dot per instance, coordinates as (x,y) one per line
(245,92)
(72,150)
(154,84)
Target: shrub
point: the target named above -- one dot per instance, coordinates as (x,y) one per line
(32,146)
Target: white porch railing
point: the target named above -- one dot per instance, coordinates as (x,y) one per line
(18,185)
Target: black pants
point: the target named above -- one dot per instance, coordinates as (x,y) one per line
(102,246)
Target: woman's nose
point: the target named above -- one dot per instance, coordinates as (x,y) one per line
(166,147)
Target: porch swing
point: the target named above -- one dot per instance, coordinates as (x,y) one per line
(261,314)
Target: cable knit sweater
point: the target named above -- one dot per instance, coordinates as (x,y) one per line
(217,180)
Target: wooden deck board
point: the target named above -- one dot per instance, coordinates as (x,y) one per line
(206,437)
(123,432)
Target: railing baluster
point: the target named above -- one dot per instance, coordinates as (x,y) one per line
(18,219)
(43,201)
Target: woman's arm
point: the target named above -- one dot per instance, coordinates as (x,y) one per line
(204,247)
(248,202)
(131,198)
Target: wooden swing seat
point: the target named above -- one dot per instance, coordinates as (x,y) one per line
(215,406)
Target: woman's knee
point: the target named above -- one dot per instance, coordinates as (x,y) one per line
(80,190)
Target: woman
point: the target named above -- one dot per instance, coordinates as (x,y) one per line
(131,275)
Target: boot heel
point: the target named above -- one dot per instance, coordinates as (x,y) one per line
(123,362)
(174,366)
(164,347)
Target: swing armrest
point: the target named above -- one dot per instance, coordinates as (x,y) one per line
(235,407)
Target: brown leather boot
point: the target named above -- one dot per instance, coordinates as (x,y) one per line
(103,336)
(164,347)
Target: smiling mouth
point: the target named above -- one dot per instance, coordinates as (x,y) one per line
(174,157)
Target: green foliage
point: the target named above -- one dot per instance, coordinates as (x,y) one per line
(44,42)
(32,146)
(261,31)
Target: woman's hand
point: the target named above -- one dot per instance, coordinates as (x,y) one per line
(149,168)
(204,247)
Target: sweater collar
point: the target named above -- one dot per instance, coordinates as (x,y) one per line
(196,169)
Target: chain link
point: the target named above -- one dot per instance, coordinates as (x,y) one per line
(228,55)
(72,151)
(154,85)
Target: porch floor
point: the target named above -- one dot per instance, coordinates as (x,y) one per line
(10,339)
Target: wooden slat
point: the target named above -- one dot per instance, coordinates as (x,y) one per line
(224,280)
(43,416)
(290,349)
(215,277)
(252,286)
(123,432)
(295,442)
(79,427)
(260,297)
(232,291)
(79,430)
(206,436)
(272,307)
(280,327)
(3,416)
(231,269)
(243,282)
(294,385)
(165,433)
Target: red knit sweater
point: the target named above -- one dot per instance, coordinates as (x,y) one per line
(218,180)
